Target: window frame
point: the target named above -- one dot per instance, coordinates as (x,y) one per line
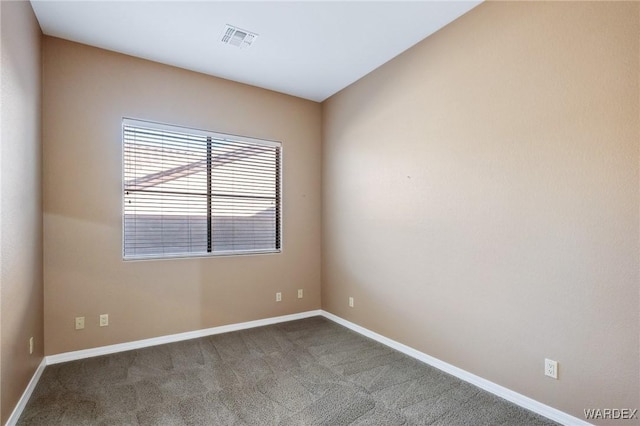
(127,121)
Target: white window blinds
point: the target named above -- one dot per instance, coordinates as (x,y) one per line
(189,192)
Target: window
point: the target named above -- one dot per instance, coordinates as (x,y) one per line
(191,193)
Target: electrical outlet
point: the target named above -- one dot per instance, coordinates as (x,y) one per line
(30,345)
(300,293)
(551,368)
(79,323)
(104,320)
(351,302)
(278,297)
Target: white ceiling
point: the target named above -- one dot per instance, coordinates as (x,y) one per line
(304,48)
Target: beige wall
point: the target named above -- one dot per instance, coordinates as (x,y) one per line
(480,199)
(87,91)
(21,293)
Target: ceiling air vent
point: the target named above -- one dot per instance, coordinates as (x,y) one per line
(237,37)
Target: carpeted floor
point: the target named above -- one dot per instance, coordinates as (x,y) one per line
(307,372)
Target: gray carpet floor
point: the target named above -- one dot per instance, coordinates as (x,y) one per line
(306,372)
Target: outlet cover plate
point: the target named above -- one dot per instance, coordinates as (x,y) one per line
(104,320)
(79,323)
(551,368)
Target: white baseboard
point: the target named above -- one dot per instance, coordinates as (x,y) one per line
(121,347)
(22,402)
(511,396)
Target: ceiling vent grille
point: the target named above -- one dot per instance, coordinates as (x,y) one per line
(236,37)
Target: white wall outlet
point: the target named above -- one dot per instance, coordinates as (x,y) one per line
(351,302)
(30,345)
(278,297)
(79,323)
(104,320)
(300,293)
(551,368)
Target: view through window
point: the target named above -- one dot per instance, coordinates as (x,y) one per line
(189,192)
